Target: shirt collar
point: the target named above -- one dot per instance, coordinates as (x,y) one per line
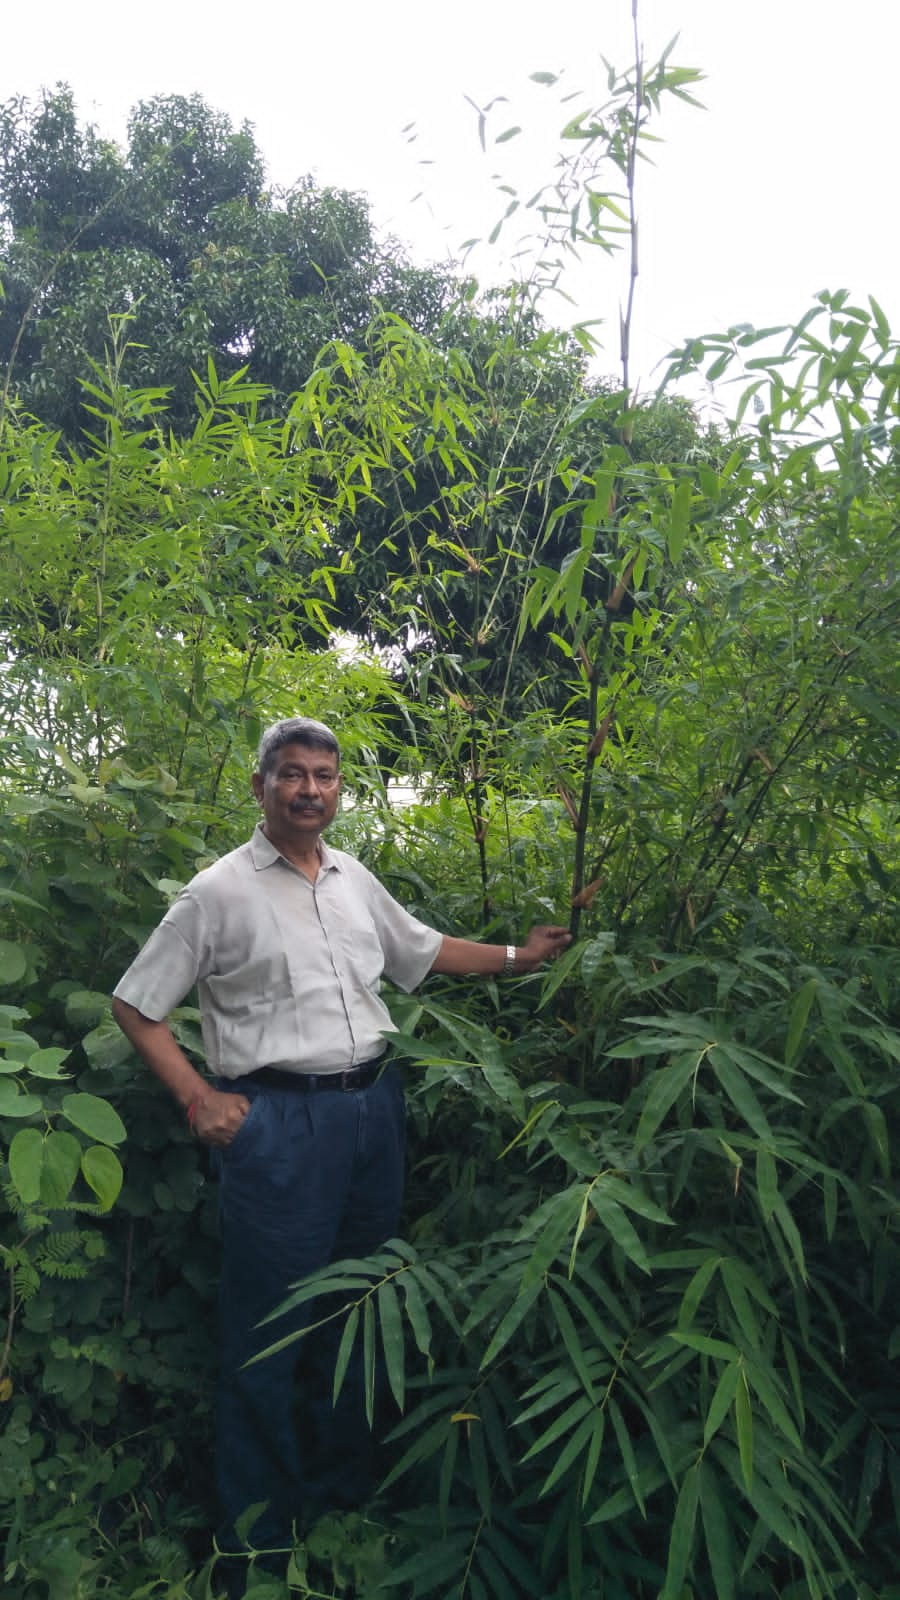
(264,854)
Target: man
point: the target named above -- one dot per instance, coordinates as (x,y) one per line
(287,940)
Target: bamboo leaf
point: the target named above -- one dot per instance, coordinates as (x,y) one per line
(717,1534)
(696,1289)
(571,1341)
(665,1088)
(510,1323)
(740,1094)
(392,1339)
(743,1416)
(345,1349)
(741,1304)
(766,1182)
(681,1539)
(626,1449)
(561,1427)
(448,1467)
(592,1459)
(369,1354)
(570,1452)
(621,1230)
(800,1010)
(417,1312)
(722,1400)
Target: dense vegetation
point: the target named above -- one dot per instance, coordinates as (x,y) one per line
(641,1331)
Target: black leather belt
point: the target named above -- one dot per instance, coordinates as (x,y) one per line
(312,1082)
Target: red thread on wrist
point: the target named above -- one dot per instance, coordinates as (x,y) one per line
(191,1113)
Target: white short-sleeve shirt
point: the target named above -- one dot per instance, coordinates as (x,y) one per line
(288,971)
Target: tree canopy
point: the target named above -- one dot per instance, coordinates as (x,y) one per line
(178,232)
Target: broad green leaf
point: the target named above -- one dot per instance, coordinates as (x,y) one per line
(103,1171)
(47,1063)
(26,1154)
(13,1103)
(61,1164)
(95,1117)
(18,1046)
(13,962)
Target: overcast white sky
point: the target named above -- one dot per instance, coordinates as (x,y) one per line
(786,184)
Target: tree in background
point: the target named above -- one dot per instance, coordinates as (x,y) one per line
(178,232)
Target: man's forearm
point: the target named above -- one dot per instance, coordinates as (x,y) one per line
(214,1116)
(461,958)
(156,1044)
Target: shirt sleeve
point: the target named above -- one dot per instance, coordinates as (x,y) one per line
(410,947)
(170,963)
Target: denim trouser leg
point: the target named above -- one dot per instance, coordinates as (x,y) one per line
(309,1179)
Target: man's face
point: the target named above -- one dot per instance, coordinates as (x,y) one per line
(299,794)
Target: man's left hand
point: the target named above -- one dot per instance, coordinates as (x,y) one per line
(544,943)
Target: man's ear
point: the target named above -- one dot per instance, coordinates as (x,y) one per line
(258,786)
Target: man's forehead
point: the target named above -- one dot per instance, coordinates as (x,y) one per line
(297,754)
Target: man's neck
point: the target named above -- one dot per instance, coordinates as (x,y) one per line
(301,854)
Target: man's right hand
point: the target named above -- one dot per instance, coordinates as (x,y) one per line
(214,1115)
(218,1115)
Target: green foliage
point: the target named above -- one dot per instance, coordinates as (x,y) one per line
(178,232)
(639,1339)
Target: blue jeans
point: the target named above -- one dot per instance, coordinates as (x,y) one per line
(310,1178)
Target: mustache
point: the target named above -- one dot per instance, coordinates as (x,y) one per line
(306,805)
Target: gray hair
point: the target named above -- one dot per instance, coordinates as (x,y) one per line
(294,730)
